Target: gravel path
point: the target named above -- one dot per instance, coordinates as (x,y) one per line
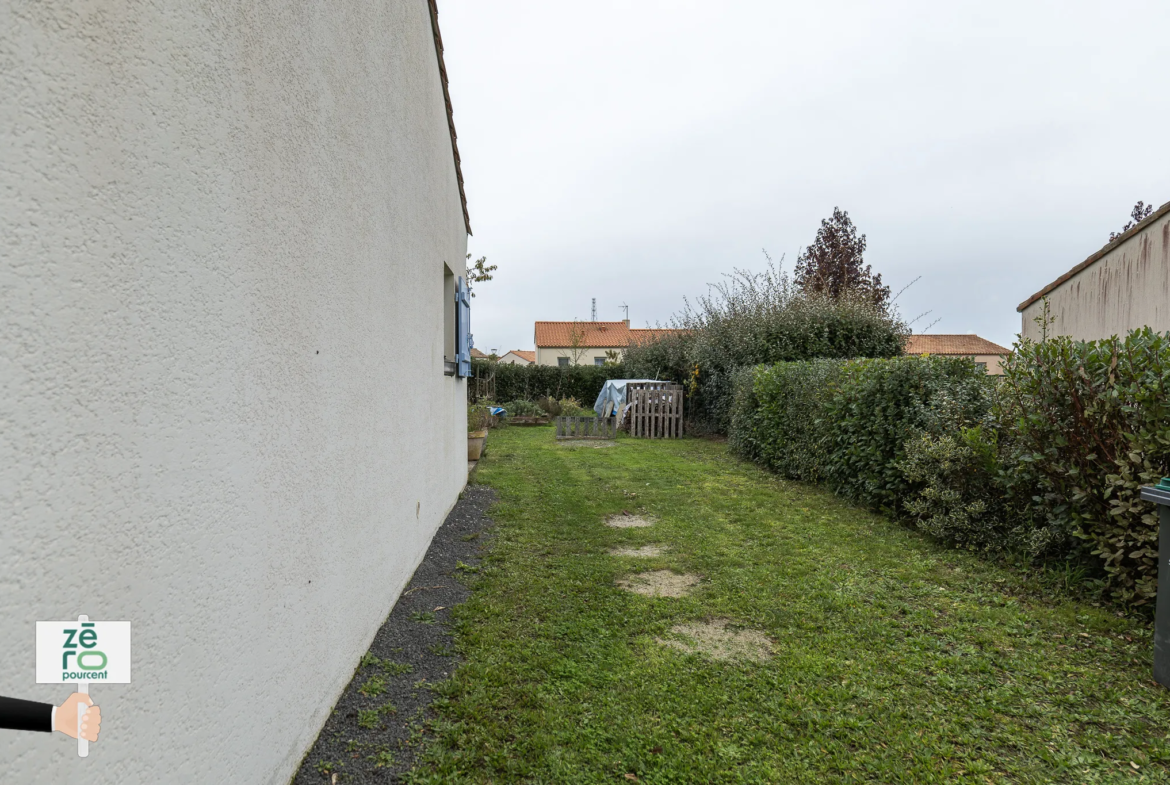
(376,727)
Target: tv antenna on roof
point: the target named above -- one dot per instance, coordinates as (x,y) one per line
(627,310)
(593,313)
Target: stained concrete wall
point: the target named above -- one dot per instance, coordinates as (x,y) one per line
(1124,286)
(224,411)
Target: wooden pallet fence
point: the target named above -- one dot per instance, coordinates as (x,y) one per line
(656,410)
(481,388)
(586,427)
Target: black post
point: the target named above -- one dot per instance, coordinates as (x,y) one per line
(1160,495)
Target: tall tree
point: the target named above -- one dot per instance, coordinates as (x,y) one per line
(1140,212)
(833,264)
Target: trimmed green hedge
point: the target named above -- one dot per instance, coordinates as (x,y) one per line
(880,405)
(1052,455)
(530,382)
(777,416)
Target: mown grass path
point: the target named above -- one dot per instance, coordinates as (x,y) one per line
(896,661)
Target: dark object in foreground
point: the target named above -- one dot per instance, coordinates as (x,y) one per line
(1160,495)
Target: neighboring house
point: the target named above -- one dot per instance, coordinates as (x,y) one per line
(987,355)
(518,357)
(476,354)
(1124,286)
(233,235)
(586,343)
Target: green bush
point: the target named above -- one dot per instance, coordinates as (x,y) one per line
(1052,455)
(753,319)
(532,382)
(777,416)
(1089,423)
(568,407)
(878,406)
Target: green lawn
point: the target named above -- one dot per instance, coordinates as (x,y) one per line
(895,660)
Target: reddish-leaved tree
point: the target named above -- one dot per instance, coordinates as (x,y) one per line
(833,264)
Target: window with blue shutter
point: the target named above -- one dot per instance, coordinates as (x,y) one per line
(463,340)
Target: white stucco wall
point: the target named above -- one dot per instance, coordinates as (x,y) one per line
(1126,288)
(224,224)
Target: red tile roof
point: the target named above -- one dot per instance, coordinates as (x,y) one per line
(478,355)
(952,344)
(529,356)
(593,335)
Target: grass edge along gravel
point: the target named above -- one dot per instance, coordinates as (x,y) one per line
(895,660)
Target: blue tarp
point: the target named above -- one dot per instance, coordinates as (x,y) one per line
(614,392)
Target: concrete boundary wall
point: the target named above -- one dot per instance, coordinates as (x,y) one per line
(1124,286)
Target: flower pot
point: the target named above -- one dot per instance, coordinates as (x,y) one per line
(475,441)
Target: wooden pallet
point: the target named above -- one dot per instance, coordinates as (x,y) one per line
(655,410)
(586,427)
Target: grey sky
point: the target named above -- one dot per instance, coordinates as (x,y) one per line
(634,151)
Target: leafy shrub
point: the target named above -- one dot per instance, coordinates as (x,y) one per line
(1089,423)
(878,406)
(530,382)
(479,418)
(960,500)
(568,407)
(777,416)
(751,319)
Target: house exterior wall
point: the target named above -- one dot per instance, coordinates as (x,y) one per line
(225,415)
(994,363)
(549,355)
(1126,288)
(513,359)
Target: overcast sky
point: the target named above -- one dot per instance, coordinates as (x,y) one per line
(635,151)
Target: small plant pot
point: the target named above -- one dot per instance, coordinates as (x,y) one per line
(475,442)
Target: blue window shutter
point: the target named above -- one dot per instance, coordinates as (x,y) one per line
(463,328)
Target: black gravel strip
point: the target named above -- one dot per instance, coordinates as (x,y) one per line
(377,727)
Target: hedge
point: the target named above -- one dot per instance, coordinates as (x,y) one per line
(529,382)
(1089,421)
(1048,457)
(880,405)
(777,416)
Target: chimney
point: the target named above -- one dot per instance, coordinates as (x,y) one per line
(627,323)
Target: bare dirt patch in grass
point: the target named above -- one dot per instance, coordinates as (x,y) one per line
(716,640)
(626,521)
(645,552)
(588,443)
(659,583)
